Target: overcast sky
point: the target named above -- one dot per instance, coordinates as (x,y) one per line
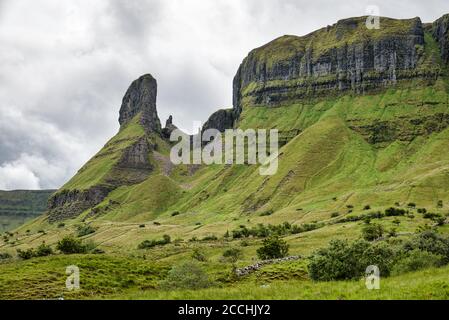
(66,64)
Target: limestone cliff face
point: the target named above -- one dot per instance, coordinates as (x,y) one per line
(141,98)
(440,31)
(344,57)
(220,120)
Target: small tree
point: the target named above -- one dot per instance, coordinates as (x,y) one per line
(188,275)
(43,250)
(373,231)
(71,245)
(273,248)
(233,255)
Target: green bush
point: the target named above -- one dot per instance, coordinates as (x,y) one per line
(176,213)
(342,260)
(273,248)
(233,255)
(71,245)
(147,244)
(267,213)
(187,275)
(199,255)
(85,230)
(416,260)
(431,242)
(210,238)
(43,250)
(373,231)
(5,256)
(25,254)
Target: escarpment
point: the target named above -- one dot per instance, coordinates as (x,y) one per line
(347,58)
(344,57)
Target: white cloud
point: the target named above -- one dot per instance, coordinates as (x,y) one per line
(65,65)
(17,176)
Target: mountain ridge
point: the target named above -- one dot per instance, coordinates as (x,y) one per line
(379,93)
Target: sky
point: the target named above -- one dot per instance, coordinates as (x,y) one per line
(66,64)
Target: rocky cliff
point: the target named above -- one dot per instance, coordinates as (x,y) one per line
(344,57)
(440,31)
(141,99)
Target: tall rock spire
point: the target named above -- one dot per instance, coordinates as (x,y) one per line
(141,98)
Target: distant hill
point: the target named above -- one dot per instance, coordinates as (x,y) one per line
(17,207)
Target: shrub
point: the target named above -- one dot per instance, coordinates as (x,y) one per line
(61,225)
(199,255)
(440,204)
(267,213)
(147,244)
(422,210)
(71,245)
(342,260)
(431,242)
(156,223)
(416,260)
(273,248)
(431,216)
(176,213)
(43,250)
(25,254)
(187,275)
(85,230)
(334,214)
(165,239)
(142,226)
(412,205)
(367,207)
(5,256)
(210,238)
(371,232)
(233,255)
(395,212)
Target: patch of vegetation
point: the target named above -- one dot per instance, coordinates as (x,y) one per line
(417,260)
(273,248)
(264,231)
(199,255)
(148,244)
(72,245)
(232,255)
(372,232)
(187,275)
(85,230)
(342,260)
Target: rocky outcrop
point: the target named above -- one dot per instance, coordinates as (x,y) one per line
(70,204)
(169,128)
(220,120)
(141,99)
(440,31)
(343,57)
